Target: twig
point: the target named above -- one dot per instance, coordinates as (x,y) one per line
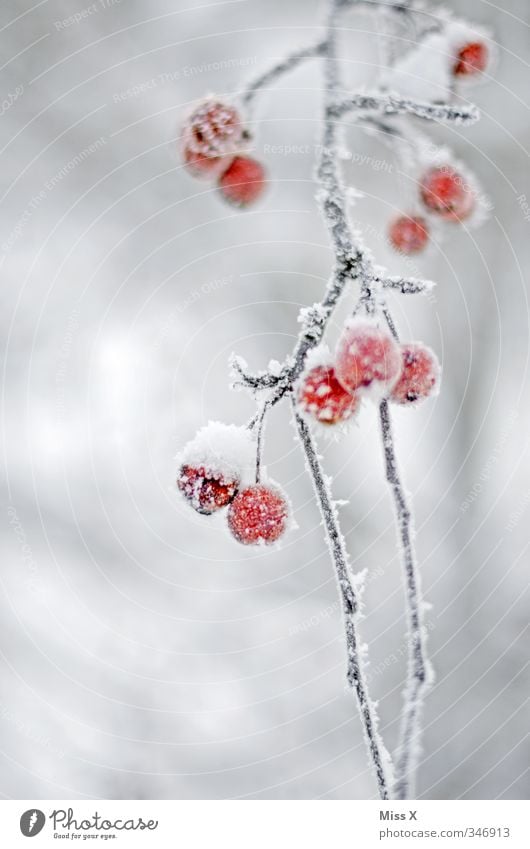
(282,67)
(417,682)
(391,104)
(350,607)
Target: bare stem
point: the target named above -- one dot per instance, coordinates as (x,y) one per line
(417,674)
(289,63)
(392,105)
(350,606)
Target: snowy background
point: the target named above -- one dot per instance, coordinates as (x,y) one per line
(143,652)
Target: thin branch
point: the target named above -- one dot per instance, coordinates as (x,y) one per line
(391,104)
(407,285)
(418,677)
(289,63)
(260,424)
(350,607)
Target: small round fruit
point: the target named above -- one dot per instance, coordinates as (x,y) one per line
(213,129)
(472,59)
(409,234)
(322,396)
(207,167)
(445,192)
(368,358)
(420,374)
(258,514)
(243,182)
(205,492)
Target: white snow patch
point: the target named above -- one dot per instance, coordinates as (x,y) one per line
(223,450)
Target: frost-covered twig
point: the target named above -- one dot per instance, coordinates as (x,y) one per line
(390,104)
(350,606)
(407,285)
(352,263)
(289,63)
(418,677)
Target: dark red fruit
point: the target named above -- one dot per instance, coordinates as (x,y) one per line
(211,137)
(243,182)
(204,166)
(322,396)
(445,192)
(409,234)
(205,492)
(367,358)
(419,376)
(257,515)
(472,59)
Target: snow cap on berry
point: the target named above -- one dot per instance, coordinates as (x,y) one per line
(226,451)
(368,358)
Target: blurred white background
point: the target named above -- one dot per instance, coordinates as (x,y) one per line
(143,652)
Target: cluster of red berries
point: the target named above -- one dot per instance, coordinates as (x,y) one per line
(212,474)
(214,141)
(443,191)
(368,361)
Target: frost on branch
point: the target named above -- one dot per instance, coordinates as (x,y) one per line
(222,467)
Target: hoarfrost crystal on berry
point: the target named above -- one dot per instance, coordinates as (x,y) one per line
(420,374)
(211,138)
(258,514)
(367,358)
(206,492)
(322,396)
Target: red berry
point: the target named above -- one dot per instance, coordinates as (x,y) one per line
(243,182)
(367,358)
(205,492)
(213,129)
(409,234)
(419,376)
(471,59)
(204,166)
(257,515)
(321,395)
(446,193)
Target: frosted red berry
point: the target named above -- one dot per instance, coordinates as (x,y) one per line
(419,376)
(243,182)
(322,396)
(205,491)
(211,137)
(472,59)
(368,358)
(445,192)
(409,234)
(204,166)
(258,514)
(213,129)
